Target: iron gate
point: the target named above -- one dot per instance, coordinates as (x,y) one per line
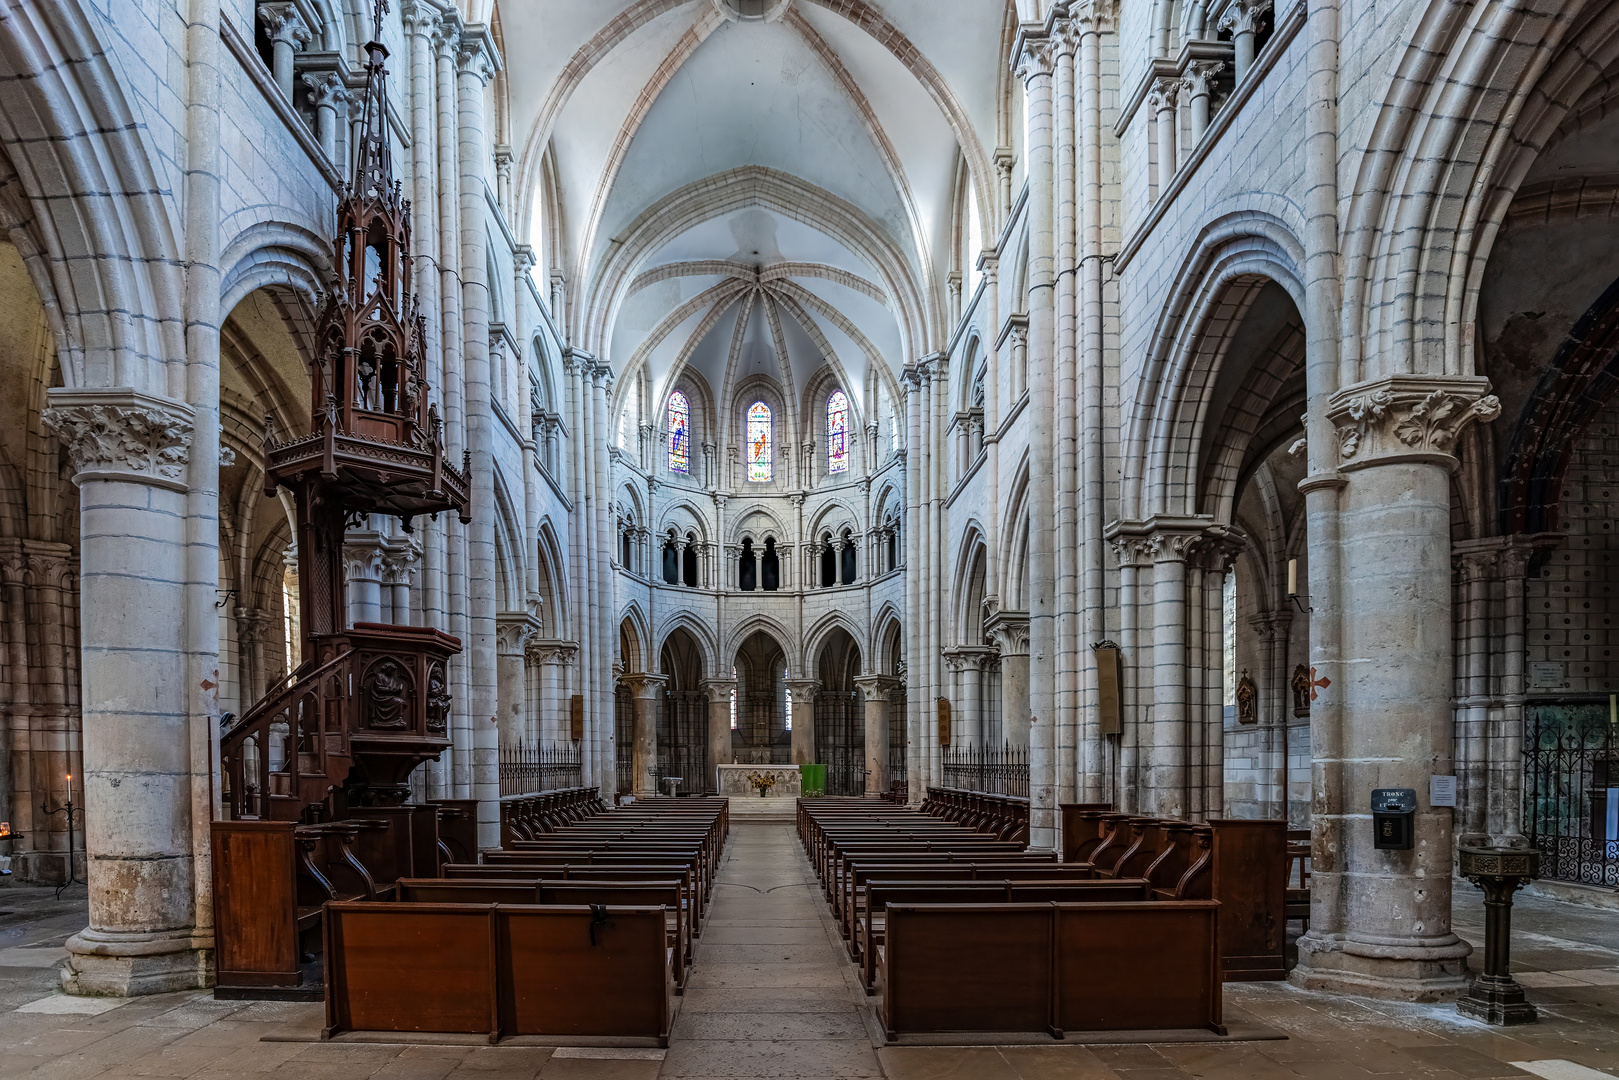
(897,741)
(624,739)
(840,741)
(1571,790)
(764,739)
(683,741)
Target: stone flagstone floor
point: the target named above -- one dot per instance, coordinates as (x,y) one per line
(772,995)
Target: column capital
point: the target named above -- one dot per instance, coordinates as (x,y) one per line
(1408,418)
(122,434)
(552,651)
(420,17)
(284,23)
(513,631)
(1165,92)
(1242,17)
(719,689)
(326,89)
(644,684)
(475,52)
(1009,632)
(965,657)
(1034,55)
(1198,74)
(876,686)
(803,690)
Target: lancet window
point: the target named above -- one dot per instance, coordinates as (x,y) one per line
(837,432)
(679,423)
(759,437)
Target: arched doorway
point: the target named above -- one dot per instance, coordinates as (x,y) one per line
(840,741)
(760,727)
(683,715)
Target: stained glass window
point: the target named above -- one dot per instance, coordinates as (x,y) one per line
(679,433)
(759,441)
(837,432)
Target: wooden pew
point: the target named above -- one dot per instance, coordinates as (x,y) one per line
(977,891)
(665,894)
(498,970)
(1051,968)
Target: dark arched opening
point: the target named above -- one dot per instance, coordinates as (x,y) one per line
(770,567)
(747,577)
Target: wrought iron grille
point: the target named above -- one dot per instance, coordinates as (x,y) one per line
(764,737)
(840,741)
(624,739)
(1571,790)
(683,741)
(898,771)
(526,770)
(992,770)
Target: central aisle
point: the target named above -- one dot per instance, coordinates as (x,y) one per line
(770,994)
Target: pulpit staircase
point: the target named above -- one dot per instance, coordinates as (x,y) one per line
(316,775)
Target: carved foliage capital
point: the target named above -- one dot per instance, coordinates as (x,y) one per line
(122,435)
(1405,416)
(1036,56)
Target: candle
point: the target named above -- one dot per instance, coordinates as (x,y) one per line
(1292,577)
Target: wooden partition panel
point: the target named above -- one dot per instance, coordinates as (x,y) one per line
(255,904)
(954,968)
(557,982)
(1250,881)
(1127,967)
(394,967)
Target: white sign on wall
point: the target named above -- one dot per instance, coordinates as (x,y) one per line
(1547,676)
(1441,791)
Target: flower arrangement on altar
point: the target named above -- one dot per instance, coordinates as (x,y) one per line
(761,782)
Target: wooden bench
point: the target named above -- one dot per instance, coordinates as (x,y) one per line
(880,894)
(1053,968)
(558,971)
(665,894)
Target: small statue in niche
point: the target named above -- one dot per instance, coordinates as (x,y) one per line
(387,689)
(1300,683)
(1247,700)
(366,372)
(438,700)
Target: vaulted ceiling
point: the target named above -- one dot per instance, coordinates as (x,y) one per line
(756,185)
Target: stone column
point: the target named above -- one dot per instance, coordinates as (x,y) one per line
(876,688)
(1198,75)
(362,567)
(1162,101)
(1165,768)
(130,452)
(719,724)
(1242,20)
(399,557)
(1035,65)
(253,632)
(1385,915)
(326,93)
(513,632)
(287,32)
(645,754)
(1506,764)
(477,64)
(1012,638)
(1476,564)
(804,691)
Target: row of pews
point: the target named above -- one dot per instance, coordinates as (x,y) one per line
(582,927)
(1133,927)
